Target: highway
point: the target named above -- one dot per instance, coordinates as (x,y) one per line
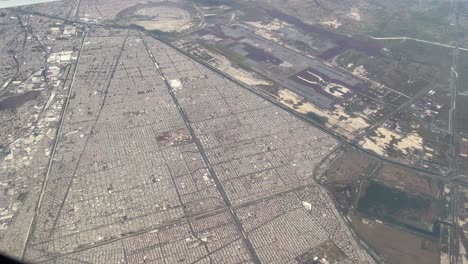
(54,148)
(454,237)
(253,254)
(418,40)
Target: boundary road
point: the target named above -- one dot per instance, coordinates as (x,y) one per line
(418,40)
(122,48)
(54,148)
(219,186)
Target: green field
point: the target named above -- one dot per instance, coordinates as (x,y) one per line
(420,52)
(382,201)
(430,21)
(398,207)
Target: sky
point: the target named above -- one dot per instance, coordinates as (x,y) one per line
(12,3)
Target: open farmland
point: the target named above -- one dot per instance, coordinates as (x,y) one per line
(412,211)
(398,246)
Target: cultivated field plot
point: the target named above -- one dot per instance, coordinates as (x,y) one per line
(396,246)
(399,207)
(349,167)
(412,182)
(344,175)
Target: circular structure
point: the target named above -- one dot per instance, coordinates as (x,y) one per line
(164,18)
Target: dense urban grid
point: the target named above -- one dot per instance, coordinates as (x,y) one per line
(217,131)
(156,155)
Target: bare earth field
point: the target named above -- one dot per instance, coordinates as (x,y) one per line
(412,182)
(397,246)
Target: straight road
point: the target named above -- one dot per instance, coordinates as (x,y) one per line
(418,40)
(70,183)
(400,108)
(54,148)
(454,242)
(201,150)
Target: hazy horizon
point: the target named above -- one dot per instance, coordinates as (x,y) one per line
(13,3)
